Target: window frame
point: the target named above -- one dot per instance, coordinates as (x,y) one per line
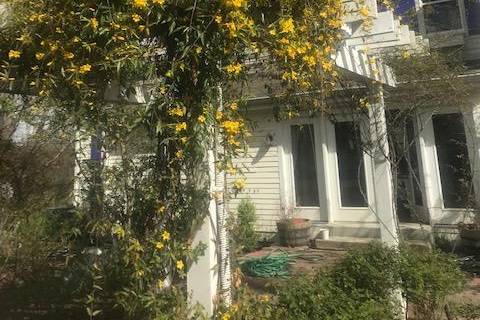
(318,145)
(339,212)
(419,7)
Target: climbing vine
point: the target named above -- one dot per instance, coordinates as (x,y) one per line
(112,68)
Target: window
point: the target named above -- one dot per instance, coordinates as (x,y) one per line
(351,169)
(453,162)
(304,166)
(441,15)
(413,157)
(473,16)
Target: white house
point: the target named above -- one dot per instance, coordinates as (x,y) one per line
(312,167)
(307,167)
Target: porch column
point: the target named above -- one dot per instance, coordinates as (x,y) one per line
(202,277)
(382,174)
(83,150)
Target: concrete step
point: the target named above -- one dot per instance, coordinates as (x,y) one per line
(349,243)
(409,231)
(341,243)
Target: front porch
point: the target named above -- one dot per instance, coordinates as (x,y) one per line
(327,171)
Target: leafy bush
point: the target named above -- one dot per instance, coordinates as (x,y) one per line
(362,287)
(427,279)
(242,227)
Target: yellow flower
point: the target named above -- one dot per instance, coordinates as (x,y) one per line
(201,119)
(183,140)
(364,11)
(231,141)
(179,154)
(239,184)
(159,245)
(39,56)
(25,38)
(406,54)
(286,25)
(139,273)
(166,235)
(231,171)
(14,54)
(310,60)
(177,111)
(232,28)
(140,3)
(291,52)
(68,55)
(160,283)
(234,106)
(94,23)
(218,19)
(180,265)
(226,316)
(231,127)
(76,39)
(235,3)
(159,2)
(118,231)
(180,126)
(218,115)
(289,75)
(327,65)
(85,68)
(161,209)
(234,68)
(136,17)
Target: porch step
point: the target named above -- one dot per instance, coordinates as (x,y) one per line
(349,243)
(341,243)
(370,231)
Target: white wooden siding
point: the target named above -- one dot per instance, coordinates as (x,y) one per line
(260,166)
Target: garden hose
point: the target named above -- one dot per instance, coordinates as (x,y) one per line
(269,266)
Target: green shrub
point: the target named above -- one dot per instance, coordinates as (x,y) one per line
(428,278)
(466,311)
(362,287)
(242,227)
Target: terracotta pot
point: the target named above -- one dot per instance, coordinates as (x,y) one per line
(294,232)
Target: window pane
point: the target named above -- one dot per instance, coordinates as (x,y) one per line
(350,165)
(442,16)
(473,16)
(413,157)
(304,167)
(453,161)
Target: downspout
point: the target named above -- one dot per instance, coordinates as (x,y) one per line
(222,236)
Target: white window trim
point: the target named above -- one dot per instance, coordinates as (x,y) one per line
(419,4)
(350,214)
(316,213)
(434,193)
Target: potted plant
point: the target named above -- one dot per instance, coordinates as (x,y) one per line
(293,232)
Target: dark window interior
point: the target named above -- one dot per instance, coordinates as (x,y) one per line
(304,166)
(351,169)
(454,165)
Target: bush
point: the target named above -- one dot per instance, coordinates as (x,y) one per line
(242,227)
(428,278)
(362,287)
